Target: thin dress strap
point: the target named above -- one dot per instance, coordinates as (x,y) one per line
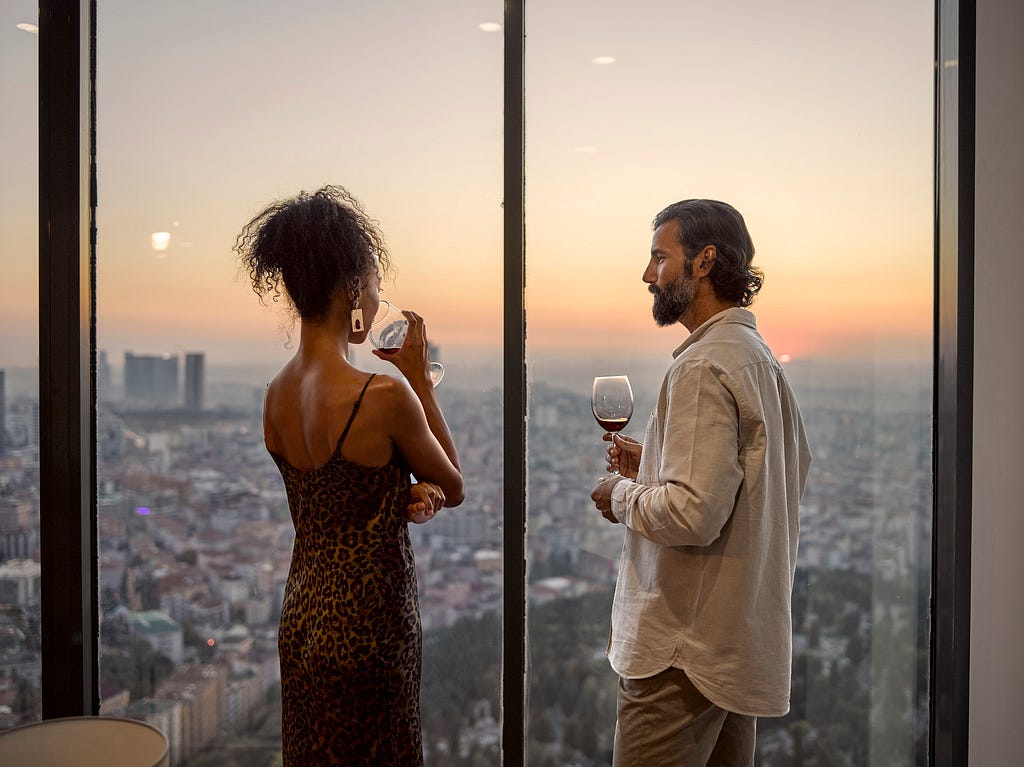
(355,409)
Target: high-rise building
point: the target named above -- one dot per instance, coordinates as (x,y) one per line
(151,378)
(195,380)
(103,378)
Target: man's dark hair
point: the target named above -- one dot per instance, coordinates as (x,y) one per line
(710,222)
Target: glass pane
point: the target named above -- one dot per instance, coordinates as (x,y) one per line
(206,113)
(20,680)
(815,121)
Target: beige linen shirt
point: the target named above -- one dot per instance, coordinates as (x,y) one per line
(706,573)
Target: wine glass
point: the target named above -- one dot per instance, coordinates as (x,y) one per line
(612,402)
(387,333)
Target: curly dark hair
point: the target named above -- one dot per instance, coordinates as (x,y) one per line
(710,222)
(310,246)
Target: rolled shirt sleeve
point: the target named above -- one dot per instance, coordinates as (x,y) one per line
(691,497)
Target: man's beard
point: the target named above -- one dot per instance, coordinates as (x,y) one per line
(673,301)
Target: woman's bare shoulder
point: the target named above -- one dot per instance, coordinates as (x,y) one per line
(390,395)
(387,385)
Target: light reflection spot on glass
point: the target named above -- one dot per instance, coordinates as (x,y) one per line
(160,240)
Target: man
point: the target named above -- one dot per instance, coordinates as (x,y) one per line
(701,621)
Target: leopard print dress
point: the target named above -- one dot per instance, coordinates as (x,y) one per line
(349,642)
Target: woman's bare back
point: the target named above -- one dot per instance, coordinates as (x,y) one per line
(307,406)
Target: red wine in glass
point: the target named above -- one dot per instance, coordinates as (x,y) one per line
(612,424)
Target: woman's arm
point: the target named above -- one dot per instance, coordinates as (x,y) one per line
(417,427)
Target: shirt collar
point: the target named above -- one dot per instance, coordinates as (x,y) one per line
(734,315)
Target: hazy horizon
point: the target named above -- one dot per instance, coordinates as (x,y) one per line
(485,370)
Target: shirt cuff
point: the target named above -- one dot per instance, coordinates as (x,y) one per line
(618,499)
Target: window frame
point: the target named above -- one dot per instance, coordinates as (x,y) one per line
(953,383)
(514,397)
(67,370)
(69,611)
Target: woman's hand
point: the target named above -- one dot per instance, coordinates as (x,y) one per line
(623,454)
(425,498)
(413,359)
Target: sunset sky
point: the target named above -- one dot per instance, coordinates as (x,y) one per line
(814,118)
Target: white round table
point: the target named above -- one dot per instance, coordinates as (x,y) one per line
(84,741)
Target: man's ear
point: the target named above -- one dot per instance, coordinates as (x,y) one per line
(704,261)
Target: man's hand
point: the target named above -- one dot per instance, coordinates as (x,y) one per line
(623,454)
(425,499)
(602,495)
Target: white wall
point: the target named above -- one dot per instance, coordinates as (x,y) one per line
(997,559)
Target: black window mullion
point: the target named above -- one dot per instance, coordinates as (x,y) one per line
(513,741)
(68,613)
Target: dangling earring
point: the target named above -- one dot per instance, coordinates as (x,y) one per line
(358,319)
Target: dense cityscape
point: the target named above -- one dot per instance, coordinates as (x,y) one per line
(195,538)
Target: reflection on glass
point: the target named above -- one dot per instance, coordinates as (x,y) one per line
(200,126)
(630,110)
(20,661)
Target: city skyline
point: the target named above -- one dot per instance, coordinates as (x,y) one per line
(194,539)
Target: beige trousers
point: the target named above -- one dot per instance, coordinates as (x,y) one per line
(664,721)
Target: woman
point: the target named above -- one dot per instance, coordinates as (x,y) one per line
(346,442)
